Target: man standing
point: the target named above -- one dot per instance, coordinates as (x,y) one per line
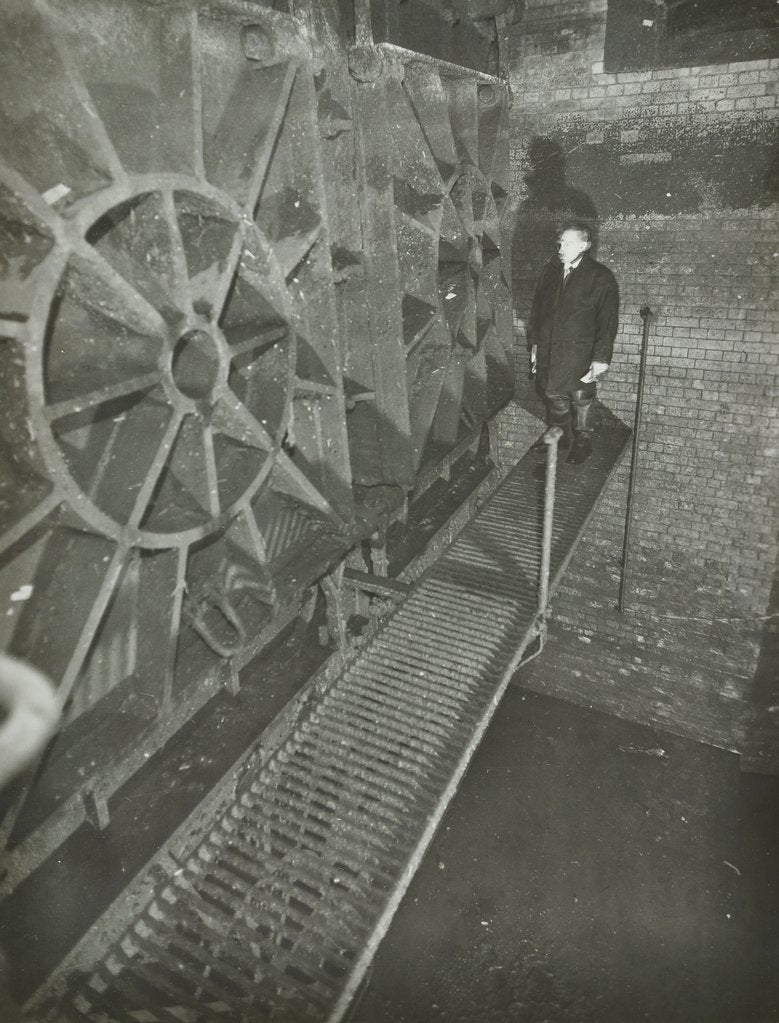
(571,331)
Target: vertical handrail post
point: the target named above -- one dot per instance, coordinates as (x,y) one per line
(645,314)
(551,439)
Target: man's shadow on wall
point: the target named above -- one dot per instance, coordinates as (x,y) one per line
(550,202)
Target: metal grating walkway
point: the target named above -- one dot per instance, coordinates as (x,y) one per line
(278,912)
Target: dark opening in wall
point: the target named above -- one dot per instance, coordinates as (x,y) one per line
(680,33)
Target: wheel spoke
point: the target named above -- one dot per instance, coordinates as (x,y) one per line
(177,254)
(429,101)
(261,340)
(411,163)
(197,96)
(258,544)
(225,280)
(211,471)
(159,619)
(261,271)
(290,251)
(175,628)
(84,99)
(124,389)
(269,142)
(245,534)
(315,388)
(19,185)
(447,416)
(180,89)
(237,163)
(306,489)
(92,624)
(134,308)
(29,521)
(493,129)
(40,97)
(233,419)
(155,470)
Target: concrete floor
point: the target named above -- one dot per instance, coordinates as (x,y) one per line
(589,871)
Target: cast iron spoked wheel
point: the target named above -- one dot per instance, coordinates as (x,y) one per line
(166,400)
(456,304)
(159,366)
(160,378)
(469,285)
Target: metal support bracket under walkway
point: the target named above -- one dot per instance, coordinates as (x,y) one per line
(279,910)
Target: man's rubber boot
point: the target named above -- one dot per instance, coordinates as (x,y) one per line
(583,424)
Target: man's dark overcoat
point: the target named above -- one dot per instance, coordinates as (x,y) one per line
(573,324)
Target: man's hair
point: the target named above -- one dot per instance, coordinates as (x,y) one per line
(580,227)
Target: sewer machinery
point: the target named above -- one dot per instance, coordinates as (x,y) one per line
(256,526)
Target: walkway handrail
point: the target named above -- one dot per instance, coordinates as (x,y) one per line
(645,314)
(551,439)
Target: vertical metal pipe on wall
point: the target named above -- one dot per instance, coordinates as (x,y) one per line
(646,314)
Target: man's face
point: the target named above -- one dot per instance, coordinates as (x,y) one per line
(570,245)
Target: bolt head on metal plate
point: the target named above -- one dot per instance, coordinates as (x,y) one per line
(366,63)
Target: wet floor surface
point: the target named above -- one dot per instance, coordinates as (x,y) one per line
(589,871)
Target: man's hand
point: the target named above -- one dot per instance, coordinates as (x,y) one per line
(595,372)
(533,359)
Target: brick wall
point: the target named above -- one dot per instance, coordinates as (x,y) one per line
(674,168)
